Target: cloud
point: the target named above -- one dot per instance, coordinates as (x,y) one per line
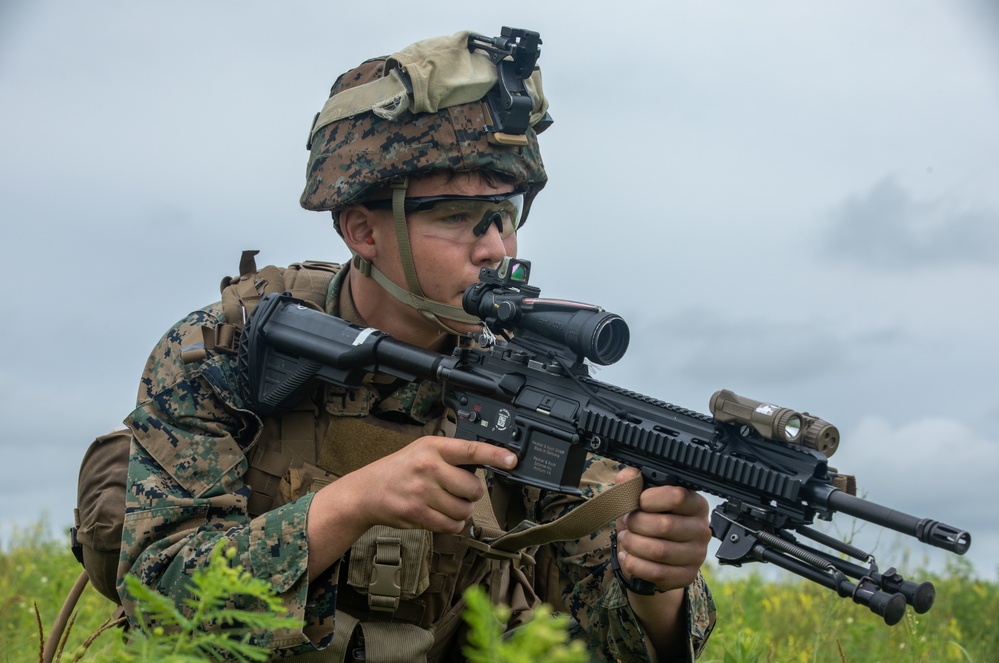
(934,467)
(888,229)
(929,462)
(12,13)
(717,345)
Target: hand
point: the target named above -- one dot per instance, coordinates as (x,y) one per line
(665,540)
(423,486)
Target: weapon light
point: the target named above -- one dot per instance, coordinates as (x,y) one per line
(775,423)
(772,422)
(820,435)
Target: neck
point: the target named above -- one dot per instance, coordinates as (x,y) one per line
(385,313)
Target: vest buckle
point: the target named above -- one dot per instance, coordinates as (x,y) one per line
(385,586)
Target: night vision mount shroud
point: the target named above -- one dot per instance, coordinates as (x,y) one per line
(515,53)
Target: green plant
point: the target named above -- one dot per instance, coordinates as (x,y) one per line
(168,634)
(795,622)
(745,648)
(544,637)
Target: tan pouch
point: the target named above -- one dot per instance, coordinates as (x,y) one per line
(389,564)
(100,509)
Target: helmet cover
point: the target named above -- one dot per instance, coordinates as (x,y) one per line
(353,156)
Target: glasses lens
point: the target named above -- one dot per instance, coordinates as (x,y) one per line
(468,218)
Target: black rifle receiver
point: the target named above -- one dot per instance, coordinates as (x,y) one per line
(526,386)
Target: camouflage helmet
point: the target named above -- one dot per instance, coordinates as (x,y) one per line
(421,110)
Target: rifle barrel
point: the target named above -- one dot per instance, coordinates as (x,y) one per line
(926,530)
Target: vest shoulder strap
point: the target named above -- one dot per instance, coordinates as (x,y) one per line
(310,281)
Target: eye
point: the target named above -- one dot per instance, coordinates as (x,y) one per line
(456,218)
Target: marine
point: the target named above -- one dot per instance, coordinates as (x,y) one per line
(428,161)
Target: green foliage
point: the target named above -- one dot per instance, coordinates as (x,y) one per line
(542,638)
(759,620)
(745,648)
(794,621)
(173,635)
(36,574)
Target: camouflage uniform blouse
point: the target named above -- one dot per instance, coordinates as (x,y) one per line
(186,491)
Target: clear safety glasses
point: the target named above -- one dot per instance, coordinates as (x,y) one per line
(463,218)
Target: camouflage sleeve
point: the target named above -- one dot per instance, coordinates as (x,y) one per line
(592,594)
(185,490)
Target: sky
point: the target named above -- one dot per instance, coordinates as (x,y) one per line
(794,201)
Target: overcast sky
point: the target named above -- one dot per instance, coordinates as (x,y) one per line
(795,201)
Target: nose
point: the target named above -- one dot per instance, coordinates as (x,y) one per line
(490,247)
(496,219)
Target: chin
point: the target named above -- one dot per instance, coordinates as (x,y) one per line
(463,327)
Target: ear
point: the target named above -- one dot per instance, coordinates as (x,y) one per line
(358,226)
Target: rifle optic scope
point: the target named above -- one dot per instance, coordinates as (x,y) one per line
(503,300)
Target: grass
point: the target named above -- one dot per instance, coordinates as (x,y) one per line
(37,571)
(759,620)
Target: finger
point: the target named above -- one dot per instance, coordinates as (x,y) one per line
(663,551)
(663,576)
(668,526)
(626,473)
(467,452)
(437,521)
(453,511)
(432,506)
(461,483)
(673,499)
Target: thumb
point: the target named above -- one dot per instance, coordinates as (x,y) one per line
(626,473)
(622,476)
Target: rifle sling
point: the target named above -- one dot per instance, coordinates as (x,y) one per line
(585,519)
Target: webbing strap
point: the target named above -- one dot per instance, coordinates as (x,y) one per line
(380,642)
(484,514)
(344,625)
(426,307)
(393,642)
(387,96)
(585,519)
(399,185)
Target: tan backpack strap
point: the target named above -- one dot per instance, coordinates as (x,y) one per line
(247,267)
(239,297)
(310,280)
(585,519)
(248,262)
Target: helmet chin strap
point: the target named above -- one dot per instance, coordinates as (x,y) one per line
(430,309)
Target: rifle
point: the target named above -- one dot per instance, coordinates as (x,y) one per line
(526,385)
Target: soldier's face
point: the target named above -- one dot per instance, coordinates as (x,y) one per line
(447,254)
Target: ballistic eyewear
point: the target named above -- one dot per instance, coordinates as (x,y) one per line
(461,213)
